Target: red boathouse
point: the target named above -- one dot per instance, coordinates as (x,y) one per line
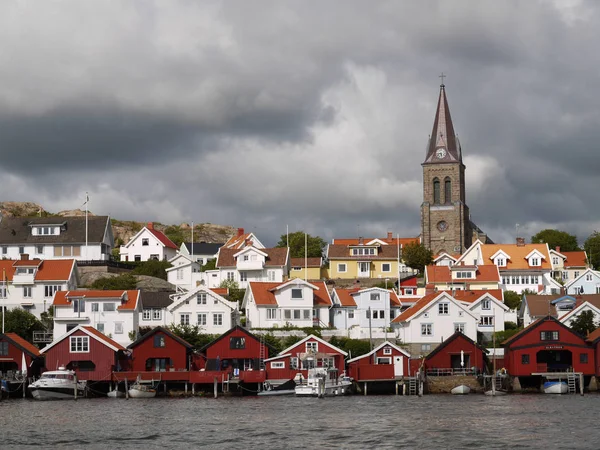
(13,349)
(386,362)
(159,350)
(457,354)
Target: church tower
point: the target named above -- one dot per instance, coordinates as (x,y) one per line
(445,223)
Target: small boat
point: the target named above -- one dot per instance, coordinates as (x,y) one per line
(115,393)
(57,384)
(460,390)
(142,389)
(287,388)
(495,393)
(555,387)
(322,382)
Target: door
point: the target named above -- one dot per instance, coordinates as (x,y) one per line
(364,269)
(398,366)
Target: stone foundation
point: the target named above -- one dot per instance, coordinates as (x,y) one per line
(443,385)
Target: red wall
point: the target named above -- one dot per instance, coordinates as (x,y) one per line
(15,354)
(530,343)
(221,348)
(442,359)
(366,369)
(103,357)
(173,349)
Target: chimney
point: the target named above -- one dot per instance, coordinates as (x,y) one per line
(360,240)
(150,226)
(24,257)
(520,242)
(558,248)
(390,236)
(240,232)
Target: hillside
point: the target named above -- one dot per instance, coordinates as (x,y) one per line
(123,230)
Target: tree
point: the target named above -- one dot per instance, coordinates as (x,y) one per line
(417,256)
(125,281)
(211,264)
(556,238)
(22,323)
(512,299)
(297,240)
(235,293)
(592,248)
(192,334)
(153,268)
(584,323)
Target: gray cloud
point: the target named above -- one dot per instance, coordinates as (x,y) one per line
(267,114)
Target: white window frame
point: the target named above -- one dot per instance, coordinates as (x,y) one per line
(426,329)
(350,314)
(156,314)
(184,318)
(27,292)
(460,327)
(202,319)
(201,298)
(146,313)
(296,290)
(83,342)
(118,327)
(277,364)
(387,350)
(218,319)
(342,267)
(311,346)
(375,296)
(109,307)
(271,313)
(443,309)
(486,304)
(486,321)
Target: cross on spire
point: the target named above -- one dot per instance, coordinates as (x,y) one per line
(442,76)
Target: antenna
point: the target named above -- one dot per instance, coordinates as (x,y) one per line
(517,229)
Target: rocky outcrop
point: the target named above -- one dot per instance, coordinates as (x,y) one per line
(21,209)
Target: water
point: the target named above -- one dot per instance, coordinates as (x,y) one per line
(356,422)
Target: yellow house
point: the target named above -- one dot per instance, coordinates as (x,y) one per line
(309,266)
(360,260)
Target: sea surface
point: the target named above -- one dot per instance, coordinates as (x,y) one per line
(356,422)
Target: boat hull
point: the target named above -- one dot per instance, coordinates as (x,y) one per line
(276,392)
(54,393)
(115,394)
(555,387)
(460,390)
(495,393)
(328,390)
(139,393)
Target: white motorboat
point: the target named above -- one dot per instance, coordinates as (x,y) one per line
(322,382)
(461,390)
(142,389)
(115,393)
(57,384)
(555,387)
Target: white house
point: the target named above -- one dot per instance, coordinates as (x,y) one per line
(364,309)
(568,265)
(31,283)
(294,302)
(488,306)
(154,310)
(563,307)
(148,244)
(57,237)
(184,273)
(200,252)
(206,308)
(444,259)
(587,282)
(249,264)
(591,303)
(115,313)
(243,239)
(434,318)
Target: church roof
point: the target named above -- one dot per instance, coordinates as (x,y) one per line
(442,135)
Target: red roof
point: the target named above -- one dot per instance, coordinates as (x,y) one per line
(321,296)
(23,343)
(575,259)
(594,335)
(61,297)
(103,337)
(442,274)
(472,296)
(264,293)
(220,291)
(48,270)
(162,237)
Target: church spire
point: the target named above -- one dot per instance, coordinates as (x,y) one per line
(443,143)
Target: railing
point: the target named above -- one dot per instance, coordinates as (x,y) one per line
(107,263)
(447,372)
(42,337)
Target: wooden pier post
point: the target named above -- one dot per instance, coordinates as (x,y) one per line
(126,390)
(581,383)
(403,388)
(365,388)
(165,388)
(75,388)
(193,388)
(24,386)
(185,388)
(215,387)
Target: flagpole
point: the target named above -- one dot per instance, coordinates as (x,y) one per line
(5,295)
(305,256)
(87,199)
(192,241)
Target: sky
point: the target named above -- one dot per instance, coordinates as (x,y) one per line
(302,114)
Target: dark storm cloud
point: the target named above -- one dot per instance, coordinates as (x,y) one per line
(267,114)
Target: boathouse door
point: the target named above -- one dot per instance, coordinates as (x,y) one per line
(398,366)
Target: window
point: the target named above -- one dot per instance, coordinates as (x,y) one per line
(486,321)
(39,249)
(100,327)
(387,350)
(50,290)
(271,275)
(386,267)
(80,344)
(535,261)
(278,365)
(297,293)
(375,296)
(296,269)
(184,319)
(137,258)
(246,258)
(271,313)
(426,329)
(293,363)
(201,298)
(156,314)
(154,256)
(237,343)
(108,307)
(588,277)
(180,274)
(549,335)
(555,260)
(287,314)
(583,358)
(118,327)
(342,268)
(3,348)
(95,307)
(230,276)
(243,276)
(597,289)
(486,304)
(576,274)
(565,275)
(159,341)
(146,313)
(501,262)
(26,291)
(202,319)
(447,190)
(218,319)
(296,314)
(459,327)
(351,314)
(21,250)
(306,314)
(375,314)
(408,291)
(145,241)
(78,305)
(4,250)
(436,191)
(312,347)
(524,359)
(464,274)
(443,309)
